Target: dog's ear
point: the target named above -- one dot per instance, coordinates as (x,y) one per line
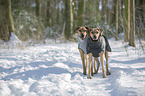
(101,31)
(87,27)
(88,32)
(77,28)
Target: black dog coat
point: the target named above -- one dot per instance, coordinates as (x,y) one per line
(96,47)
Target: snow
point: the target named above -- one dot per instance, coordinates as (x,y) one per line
(56,70)
(14,42)
(14,39)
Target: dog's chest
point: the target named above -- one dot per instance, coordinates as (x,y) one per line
(94,45)
(80,41)
(82,44)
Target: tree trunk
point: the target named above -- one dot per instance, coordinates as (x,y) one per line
(38,14)
(132,32)
(45,14)
(104,10)
(116,24)
(126,36)
(38,8)
(80,12)
(97,12)
(128,21)
(71,17)
(6,20)
(144,12)
(74,11)
(68,25)
(48,20)
(112,14)
(53,15)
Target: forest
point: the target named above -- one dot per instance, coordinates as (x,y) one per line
(39,20)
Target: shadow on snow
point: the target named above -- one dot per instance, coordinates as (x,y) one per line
(40,72)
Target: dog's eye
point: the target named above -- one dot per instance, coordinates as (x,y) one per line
(80,30)
(97,32)
(92,32)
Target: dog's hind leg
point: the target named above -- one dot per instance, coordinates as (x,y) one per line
(106,56)
(83,61)
(98,65)
(92,69)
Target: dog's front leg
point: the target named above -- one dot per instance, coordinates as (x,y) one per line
(86,62)
(102,63)
(90,66)
(98,64)
(83,61)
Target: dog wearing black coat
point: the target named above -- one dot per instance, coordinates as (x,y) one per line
(97,45)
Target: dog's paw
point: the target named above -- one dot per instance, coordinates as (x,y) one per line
(104,76)
(92,74)
(108,73)
(89,77)
(96,72)
(84,73)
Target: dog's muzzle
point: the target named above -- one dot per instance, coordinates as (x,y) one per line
(82,35)
(95,37)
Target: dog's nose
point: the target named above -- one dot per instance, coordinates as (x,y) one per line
(95,37)
(82,35)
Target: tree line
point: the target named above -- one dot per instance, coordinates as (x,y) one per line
(41,19)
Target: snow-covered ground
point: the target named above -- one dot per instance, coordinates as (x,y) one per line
(56,70)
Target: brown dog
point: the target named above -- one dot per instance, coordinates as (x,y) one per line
(82,43)
(97,45)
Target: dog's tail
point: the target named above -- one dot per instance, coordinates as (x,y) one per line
(108,48)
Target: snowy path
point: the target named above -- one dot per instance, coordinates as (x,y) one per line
(56,70)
